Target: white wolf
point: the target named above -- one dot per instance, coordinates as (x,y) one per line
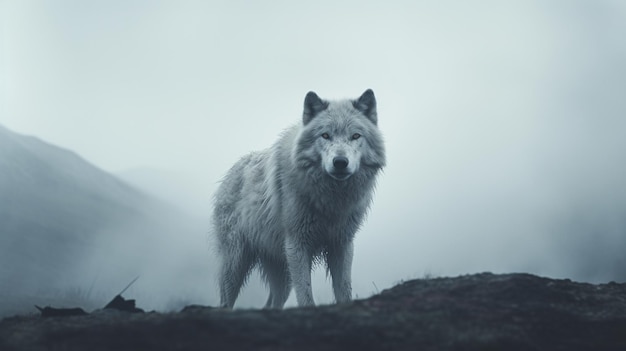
(300,202)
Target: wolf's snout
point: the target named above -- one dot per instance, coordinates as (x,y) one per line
(340,162)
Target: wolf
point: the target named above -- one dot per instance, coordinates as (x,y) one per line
(300,202)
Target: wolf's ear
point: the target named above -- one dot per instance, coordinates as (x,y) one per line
(312,106)
(367,105)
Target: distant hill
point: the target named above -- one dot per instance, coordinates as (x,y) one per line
(176,188)
(55,210)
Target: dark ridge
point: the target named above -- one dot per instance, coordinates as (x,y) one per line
(473,312)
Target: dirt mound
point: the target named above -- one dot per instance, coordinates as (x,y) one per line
(474,312)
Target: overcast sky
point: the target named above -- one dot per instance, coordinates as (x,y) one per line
(505,121)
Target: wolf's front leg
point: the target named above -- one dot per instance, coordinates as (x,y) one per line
(299,260)
(340,268)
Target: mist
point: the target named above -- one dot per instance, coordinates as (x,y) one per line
(504,125)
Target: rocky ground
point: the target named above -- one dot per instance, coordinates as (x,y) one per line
(474,312)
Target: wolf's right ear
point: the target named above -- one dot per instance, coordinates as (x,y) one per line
(312,106)
(367,105)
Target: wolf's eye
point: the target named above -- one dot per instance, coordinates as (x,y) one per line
(325,136)
(355,136)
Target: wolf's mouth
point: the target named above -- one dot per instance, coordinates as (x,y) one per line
(340,175)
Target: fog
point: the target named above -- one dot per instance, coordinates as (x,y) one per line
(504,122)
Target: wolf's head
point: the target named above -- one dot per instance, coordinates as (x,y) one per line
(341,136)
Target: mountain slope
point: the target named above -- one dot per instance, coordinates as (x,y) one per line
(54,208)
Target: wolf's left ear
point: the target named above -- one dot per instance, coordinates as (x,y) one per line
(312,106)
(367,105)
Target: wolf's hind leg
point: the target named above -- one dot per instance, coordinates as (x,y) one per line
(277,276)
(236,266)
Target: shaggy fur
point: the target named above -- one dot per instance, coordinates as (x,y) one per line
(300,201)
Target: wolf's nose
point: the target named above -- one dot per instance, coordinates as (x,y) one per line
(340,162)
